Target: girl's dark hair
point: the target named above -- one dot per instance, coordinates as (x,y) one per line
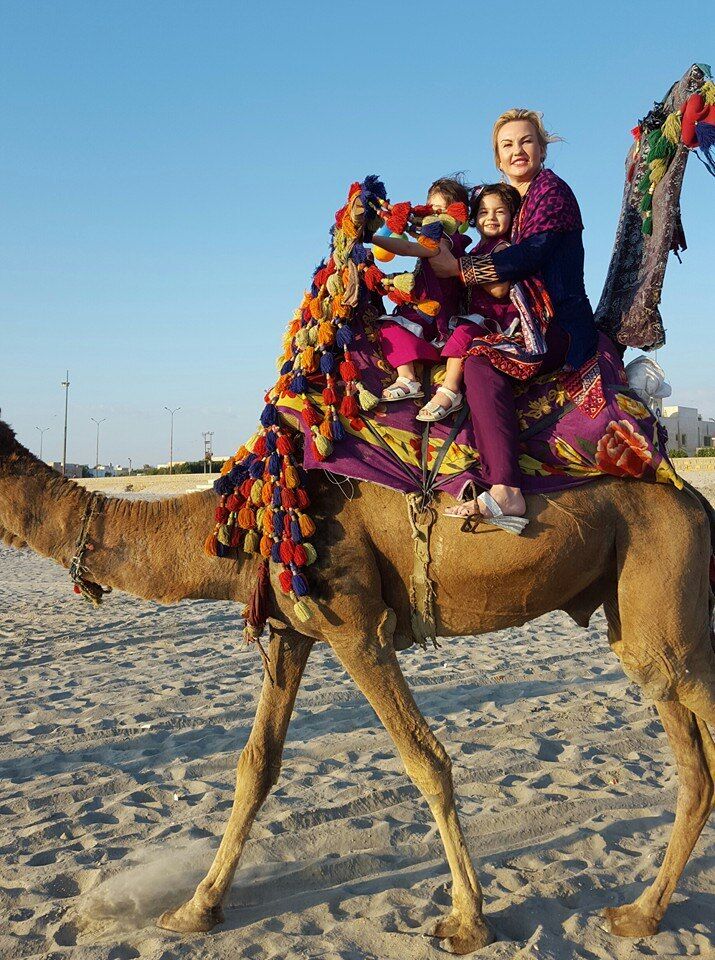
(452,188)
(509,195)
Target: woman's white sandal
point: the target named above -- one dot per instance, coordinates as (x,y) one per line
(498,518)
(430,412)
(411,390)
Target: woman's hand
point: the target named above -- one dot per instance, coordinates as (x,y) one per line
(443,262)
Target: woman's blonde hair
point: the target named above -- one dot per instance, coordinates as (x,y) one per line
(543,137)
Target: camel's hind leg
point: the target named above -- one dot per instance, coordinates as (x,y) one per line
(695,756)
(258,768)
(373,666)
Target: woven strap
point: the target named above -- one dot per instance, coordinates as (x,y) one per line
(422,617)
(476,270)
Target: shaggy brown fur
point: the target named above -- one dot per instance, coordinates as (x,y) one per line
(640,550)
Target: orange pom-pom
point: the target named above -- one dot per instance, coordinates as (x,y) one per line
(326,429)
(267,522)
(307,527)
(326,333)
(266,545)
(430,307)
(211,545)
(384,256)
(290,475)
(267,493)
(246,518)
(428,243)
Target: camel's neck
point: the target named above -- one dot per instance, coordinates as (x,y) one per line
(150,549)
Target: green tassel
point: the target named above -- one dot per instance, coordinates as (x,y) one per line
(251,542)
(647,227)
(256,492)
(322,445)
(310,552)
(224,535)
(302,611)
(367,400)
(646,203)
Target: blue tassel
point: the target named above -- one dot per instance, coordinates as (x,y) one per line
(705,135)
(256,470)
(276,553)
(432,230)
(299,384)
(372,184)
(327,363)
(269,417)
(274,465)
(358,254)
(344,336)
(222,550)
(338,429)
(238,475)
(224,485)
(295,534)
(271,441)
(300,585)
(278,523)
(277,497)
(287,367)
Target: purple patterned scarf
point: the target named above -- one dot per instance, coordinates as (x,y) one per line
(549,204)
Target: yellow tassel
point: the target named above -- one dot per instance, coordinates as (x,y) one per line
(260,513)
(707,92)
(322,445)
(256,492)
(224,535)
(302,611)
(307,527)
(404,282)
(228,466)
(268,522)
(251,542)
(313,335)
(339,309)
(671,127)
(316,308)
(367,400)
(335,284)
(310,553)
(658,169)
(301,338)
(326,334)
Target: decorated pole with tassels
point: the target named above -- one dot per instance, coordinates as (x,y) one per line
(264,503)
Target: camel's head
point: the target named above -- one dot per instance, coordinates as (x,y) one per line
(7,440)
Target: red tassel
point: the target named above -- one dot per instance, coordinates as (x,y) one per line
(373,277)
(311,417)
(397,220)
(349,407)
(289,500)
(286,549)
(303,498)
(285,579)
(256,610)
(221,514)
(259,447)
(348,370)
(300,557)
(458,211)
(245,488)
(284,445)
(236,534)
(233,503)
(329,397)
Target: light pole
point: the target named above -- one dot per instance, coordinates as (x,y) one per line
(96,463)
(171,439)
(208,450)
(42,430)
(130,465)
(66,385)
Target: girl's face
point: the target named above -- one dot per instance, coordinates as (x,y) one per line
(493,216)
(438,201)
(520,156)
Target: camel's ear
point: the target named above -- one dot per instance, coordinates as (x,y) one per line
(7,439)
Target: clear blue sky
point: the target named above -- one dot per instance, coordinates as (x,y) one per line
(169,171)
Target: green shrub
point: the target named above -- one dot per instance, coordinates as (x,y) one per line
(705,452)
(678,452)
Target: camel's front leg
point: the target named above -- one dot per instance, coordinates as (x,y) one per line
(258,768)
(695,756)
(373,666)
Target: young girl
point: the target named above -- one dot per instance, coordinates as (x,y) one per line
(406,335)
(497,323)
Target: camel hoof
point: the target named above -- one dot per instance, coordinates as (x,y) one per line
(188,918)
(468,938)
(446,927)
(630,921)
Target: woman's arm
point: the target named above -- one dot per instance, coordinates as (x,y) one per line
(517,262)
(402,247)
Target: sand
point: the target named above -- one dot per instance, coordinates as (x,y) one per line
(119,736)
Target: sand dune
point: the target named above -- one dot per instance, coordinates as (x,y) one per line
(119,737)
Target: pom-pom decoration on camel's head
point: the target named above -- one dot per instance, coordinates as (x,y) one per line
(264,504)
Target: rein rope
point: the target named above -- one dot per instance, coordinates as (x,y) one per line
(87,588)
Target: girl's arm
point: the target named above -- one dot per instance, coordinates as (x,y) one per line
(402,247)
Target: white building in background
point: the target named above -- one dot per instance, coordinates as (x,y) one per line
(73,470)
(687,429)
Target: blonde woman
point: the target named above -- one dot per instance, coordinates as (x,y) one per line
(547,242)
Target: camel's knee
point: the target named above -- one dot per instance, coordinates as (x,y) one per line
(259,767)
(430,769)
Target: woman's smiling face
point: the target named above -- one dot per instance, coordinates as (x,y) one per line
(520,156)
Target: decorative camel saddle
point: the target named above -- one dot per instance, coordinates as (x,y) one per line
(324,411)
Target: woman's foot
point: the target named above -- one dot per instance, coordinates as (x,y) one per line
(402,389)
(444,402)
(509,499)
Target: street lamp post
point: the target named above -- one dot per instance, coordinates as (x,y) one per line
(66,384)
(42,430)
(130,465)
(96,459)
(171,438)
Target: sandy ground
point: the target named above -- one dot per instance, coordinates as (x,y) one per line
(119,735)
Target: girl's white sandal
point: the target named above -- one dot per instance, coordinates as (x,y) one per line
(433,415)
(411,390)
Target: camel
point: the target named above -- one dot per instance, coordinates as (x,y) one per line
(639,550)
